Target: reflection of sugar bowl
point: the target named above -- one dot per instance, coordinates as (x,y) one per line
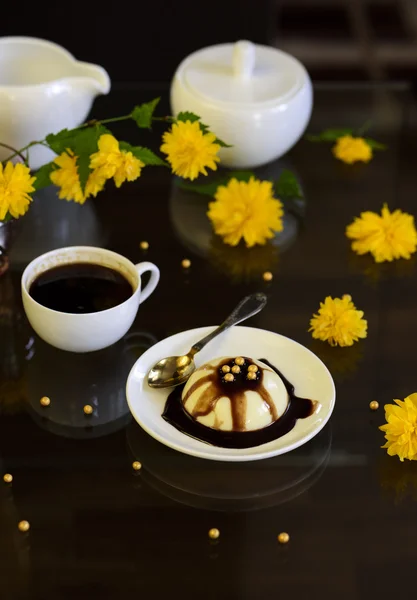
(255,98)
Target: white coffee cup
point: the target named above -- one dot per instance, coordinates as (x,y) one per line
(89,331)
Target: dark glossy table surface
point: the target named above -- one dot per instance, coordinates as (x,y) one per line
(101,530)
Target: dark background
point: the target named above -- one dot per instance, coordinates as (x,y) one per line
(143,41)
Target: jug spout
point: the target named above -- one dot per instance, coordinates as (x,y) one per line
(100,81)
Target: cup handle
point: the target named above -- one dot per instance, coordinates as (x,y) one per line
(152,283)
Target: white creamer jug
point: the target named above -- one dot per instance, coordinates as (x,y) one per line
(43,89)
(257,98)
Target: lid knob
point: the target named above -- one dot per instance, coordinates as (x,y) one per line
(243,60)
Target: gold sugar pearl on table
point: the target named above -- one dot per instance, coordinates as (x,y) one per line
(214,534)
(88,409)
(45,401)
(24,526)
(186,263)
(229,377)
(226,369)
(374,405)
(267,276)
(252,368)
(136,465)
(236,369)
(144,245)
(251,375)
(283,538)
(239,361)
(7,478)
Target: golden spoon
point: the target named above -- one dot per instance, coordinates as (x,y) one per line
(175,370)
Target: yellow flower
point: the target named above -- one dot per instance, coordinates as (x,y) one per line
(386,236)
(246,209)
(15,187)
(189,150)
(338,322)
(352,149)
(66,178)
(110,161)
(401,428)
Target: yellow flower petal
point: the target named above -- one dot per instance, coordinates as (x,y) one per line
(110,161)
(352,149)
(15,187)
(387,236)
(190,151)
(338,322)
(401,428)
(66,177)
(246,210)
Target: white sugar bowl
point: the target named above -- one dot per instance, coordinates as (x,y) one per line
(256,98)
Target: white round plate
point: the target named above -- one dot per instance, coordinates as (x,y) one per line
(301,367)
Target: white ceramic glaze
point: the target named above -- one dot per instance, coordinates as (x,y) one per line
(43,89)
(91,331)
(256,98)
(304,370)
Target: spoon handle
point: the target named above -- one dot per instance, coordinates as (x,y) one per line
(249,306)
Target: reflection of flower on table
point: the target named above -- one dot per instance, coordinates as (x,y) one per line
(398,480)
(240,263)
(341,362)
(15,349)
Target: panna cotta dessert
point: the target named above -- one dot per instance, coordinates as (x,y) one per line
(235,394)
(237,402)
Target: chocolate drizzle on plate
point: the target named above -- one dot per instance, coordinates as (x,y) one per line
(175,414)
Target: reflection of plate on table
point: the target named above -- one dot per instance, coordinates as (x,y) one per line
(229,486)
(300,366)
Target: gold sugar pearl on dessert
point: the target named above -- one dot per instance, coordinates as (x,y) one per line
(252,368)
(144,245)
(45,401)
(229,377)
(251,375)
(136,465)
(226,369)
(88,409)
(283,538)
(7,478)
(239,361)
(24,526)
(214,533)
(186,263)
(267,276)
(374,405)
(236,369)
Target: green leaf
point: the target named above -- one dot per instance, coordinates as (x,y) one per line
(189,116)
(222,143)
(43,176)
(240,175)
(7,218)
(144,154)
(287,186)
(329,135)
(143,113)
(59,142)
(375,145)
(209,189)
(85,144)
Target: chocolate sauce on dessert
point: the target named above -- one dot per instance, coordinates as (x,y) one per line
(175,413)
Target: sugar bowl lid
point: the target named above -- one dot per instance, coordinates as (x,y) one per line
(242,74)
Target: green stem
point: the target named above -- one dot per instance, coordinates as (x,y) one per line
(113,119)
(16,152)
(20,152)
